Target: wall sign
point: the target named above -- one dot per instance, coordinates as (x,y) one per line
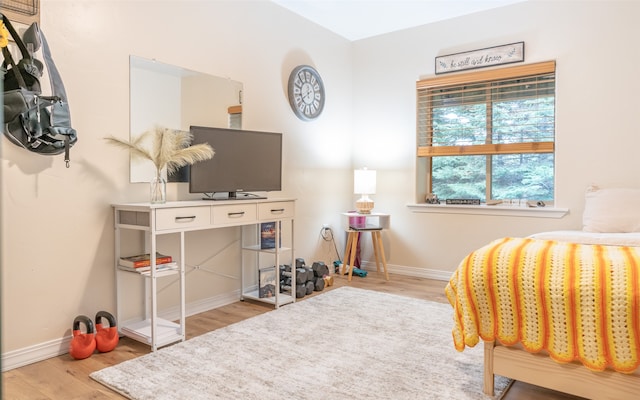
(505,54)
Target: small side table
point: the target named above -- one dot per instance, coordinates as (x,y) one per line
(355,223)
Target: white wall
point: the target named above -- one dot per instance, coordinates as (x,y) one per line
(57,228)
(57,231)
(593,44)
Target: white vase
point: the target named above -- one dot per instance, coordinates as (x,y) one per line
(158,193)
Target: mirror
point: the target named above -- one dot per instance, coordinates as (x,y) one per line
(176,98)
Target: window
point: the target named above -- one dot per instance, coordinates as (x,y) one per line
(487,134)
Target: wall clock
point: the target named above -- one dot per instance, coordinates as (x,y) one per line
(306,92)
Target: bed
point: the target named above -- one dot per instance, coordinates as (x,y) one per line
(558,309)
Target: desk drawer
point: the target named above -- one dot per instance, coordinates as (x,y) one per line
(181,218)
(236,214)
(275,210)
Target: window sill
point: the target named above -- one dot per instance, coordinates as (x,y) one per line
(483,209)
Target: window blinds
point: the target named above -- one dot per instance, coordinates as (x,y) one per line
(500,111)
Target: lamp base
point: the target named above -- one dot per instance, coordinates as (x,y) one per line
(364,206)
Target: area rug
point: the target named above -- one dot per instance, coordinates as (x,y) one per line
(346,343)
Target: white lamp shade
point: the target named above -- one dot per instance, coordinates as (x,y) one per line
(364,181)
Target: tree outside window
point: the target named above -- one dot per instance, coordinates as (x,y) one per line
(488,135)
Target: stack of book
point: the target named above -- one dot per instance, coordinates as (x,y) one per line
(141,263)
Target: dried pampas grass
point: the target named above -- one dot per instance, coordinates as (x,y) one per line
(166,147)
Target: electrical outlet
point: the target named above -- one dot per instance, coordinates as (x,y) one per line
(326,232)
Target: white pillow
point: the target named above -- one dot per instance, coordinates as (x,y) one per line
(611,210)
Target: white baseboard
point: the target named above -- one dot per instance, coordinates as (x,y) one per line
(29,355)
(57,347)
(410,271)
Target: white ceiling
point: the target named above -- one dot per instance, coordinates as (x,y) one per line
(359,19)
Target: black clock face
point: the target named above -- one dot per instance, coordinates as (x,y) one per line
(306,92)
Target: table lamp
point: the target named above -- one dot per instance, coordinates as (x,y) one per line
(364,183)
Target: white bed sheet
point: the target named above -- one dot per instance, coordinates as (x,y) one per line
(577,236)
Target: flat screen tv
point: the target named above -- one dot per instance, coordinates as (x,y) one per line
(244,161)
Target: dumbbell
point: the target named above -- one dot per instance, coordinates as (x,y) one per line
(301,290)
(309,287)
(310,274)
(301,275)
(285,270)
(320,269)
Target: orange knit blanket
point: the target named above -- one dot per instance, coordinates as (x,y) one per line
(577,302)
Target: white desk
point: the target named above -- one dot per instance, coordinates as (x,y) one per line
(355,223)
(184,216)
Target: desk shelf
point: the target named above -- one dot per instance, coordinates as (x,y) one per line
(167,332)
(256,259)
(177,218)
(257,248)
(283,298)
(164,272)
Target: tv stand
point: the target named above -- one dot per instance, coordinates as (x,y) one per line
(236,196)
(140,320)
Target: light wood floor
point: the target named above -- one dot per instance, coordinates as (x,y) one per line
(64,378)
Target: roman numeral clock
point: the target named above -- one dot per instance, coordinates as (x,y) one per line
(306,92)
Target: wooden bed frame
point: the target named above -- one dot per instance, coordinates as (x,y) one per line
(573,378)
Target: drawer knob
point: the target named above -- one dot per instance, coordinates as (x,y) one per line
(235,214)
(186,219)
(277,210)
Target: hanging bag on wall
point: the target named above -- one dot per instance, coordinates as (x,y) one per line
(33,121)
